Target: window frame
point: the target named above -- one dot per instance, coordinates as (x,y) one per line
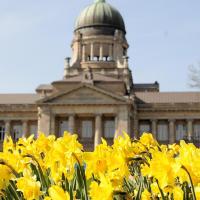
(2,131)
(162,122)
(184,132)
(108,119)
(147,123)
(19,124)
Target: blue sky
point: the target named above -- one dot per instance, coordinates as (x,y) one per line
(35,37)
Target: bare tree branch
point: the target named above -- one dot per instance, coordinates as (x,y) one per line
(194,76)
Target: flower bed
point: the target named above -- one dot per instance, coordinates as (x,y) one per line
(59,169)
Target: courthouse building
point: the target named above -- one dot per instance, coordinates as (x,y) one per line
(97,96)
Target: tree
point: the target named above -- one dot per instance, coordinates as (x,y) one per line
(194,76)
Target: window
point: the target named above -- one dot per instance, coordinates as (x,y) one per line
(63,126)
(144,127)
(87,130)
(109,128)
(96,58)
(181,131)
(34,130)
(2,132)
(196,133)
(163,132)
(17,131)
(124,51)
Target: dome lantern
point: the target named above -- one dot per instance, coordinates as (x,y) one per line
(99,38)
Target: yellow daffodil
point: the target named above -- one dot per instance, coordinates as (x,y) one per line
(104,190)
(126,164)
(5,176)
(177,193)
(57,193)
(148,140)
(29,187)
(146,195)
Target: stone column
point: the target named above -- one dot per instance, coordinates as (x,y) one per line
(72,123)
(98,130)
(101,52)
(44,120)
(111,51)
(190,129)
(92,52)
(172,137)
(154,128)
(7,128)
(83,53)
(25,132)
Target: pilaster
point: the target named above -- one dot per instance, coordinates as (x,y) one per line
(44,120)
(123,121)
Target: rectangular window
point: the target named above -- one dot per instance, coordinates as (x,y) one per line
(144,127)
(163,132)
(63,126)
(2,132)
(181,131)
(17,131)
(33,130)
(109,129)
(196,133)
(87,129)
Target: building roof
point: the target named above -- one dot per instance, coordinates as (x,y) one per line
(18,98)
(45,87)
(168,97)
(142,97)
(146,87)
(100,14)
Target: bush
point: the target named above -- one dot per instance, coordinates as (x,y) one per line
(59,169)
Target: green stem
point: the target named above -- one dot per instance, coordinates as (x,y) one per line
(162,194)
(13,191)
(40,173)
(83,175)
(193,192)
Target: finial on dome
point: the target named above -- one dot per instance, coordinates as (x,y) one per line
(100,1)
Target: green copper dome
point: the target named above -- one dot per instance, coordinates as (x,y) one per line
(101,15)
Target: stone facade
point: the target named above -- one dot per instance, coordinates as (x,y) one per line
(97,96)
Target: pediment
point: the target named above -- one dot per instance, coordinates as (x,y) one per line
(84,95)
